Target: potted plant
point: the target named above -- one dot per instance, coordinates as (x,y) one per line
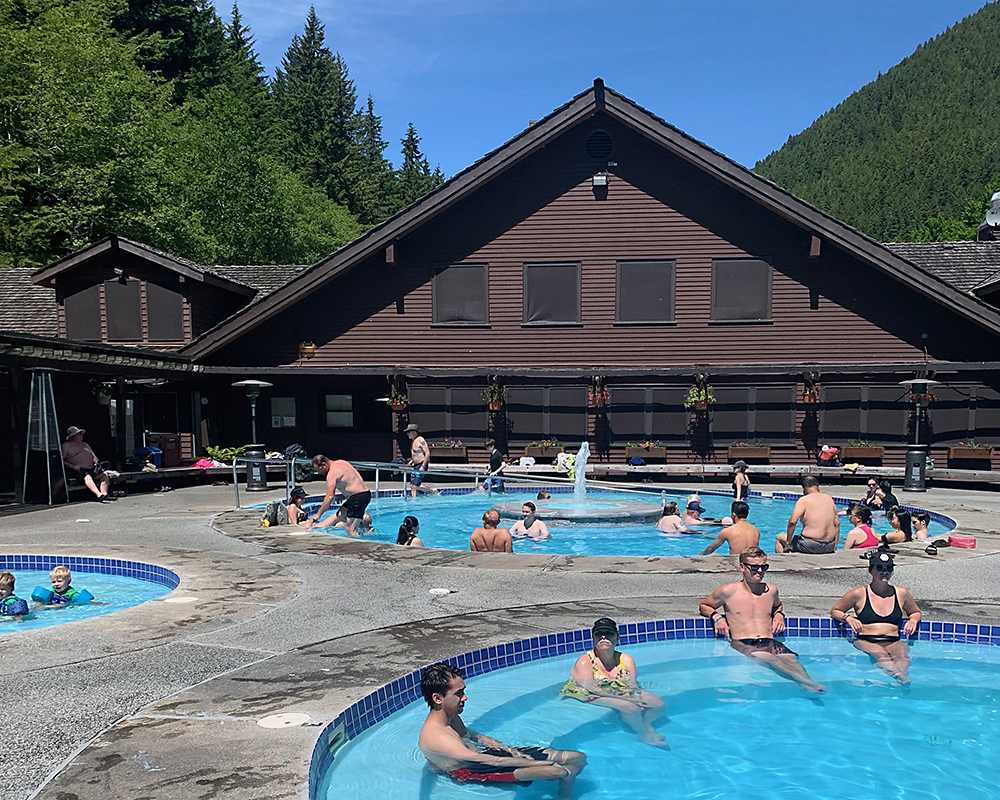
(699,398)
(647,451)
(102,392)
(750,450)
(544,448)
(861,450)
(494,396)
(449,449)
(810,388)
(599,395)
(970,450)
(922,400)
(397,401)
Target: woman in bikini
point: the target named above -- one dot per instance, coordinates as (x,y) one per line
(408,533)
(862,535)
(902,529)
(605,677)
(878,609)
(741,483)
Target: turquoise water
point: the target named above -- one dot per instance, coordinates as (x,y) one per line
(448,520)
(736,730)
(117,591)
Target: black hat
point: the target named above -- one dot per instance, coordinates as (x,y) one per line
(298,491)
(880,557)
(604,625)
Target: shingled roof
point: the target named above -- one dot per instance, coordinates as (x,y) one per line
(26,307)
(964,265)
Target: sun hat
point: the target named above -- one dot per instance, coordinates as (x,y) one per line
(72,431)
(411,427)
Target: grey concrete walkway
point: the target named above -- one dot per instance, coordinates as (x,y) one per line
(161,701)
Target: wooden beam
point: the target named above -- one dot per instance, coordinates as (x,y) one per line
(814,246)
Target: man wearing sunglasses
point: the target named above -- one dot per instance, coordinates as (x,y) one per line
(751,617)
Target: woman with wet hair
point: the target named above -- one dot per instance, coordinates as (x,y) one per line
(862,534)
(902,528)
(670,522)
(408,533)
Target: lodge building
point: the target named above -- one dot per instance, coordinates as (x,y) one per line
(597,266)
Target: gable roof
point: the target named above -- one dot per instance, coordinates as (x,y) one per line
(25,306)
(189,269)
(968,266)
(594,100)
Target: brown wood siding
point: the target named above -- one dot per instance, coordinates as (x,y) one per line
(657,206)
(208,306)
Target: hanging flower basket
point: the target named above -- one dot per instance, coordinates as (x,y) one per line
(810,398)
(495,405)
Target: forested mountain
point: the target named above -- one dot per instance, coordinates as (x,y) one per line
(921,141)
(154,120)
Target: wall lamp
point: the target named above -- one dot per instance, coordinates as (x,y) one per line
(599,179)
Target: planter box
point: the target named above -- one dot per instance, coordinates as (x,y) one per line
(849,454)
(543,452)
(749,453)
(970,454)
(449,454)
(652,454)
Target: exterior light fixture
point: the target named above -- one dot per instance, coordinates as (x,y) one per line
(599,179)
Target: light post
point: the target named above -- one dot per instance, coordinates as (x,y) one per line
(914,479)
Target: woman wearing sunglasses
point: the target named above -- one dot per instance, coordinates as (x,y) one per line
(606,677)
(878,609)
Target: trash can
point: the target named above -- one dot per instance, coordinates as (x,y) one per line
(144,454)
(256,470)
(916,469)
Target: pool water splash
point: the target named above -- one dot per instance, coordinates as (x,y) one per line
(580,475)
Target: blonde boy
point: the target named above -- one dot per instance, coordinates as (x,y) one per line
(10,606)
(61,593)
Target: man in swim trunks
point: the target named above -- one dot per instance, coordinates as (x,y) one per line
(342,477)
(529,525)
(820,523)
(753,617)
(491,538)
(467,756)
(739,536)
(420,457)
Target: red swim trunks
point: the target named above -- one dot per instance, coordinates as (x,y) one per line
(487,773)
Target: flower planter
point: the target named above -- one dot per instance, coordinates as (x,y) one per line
(449,454)
(982,454)
(700,405)
(104,400)
(646,454)
(398,407)
(849,454)
(495,405)
(810,399)
(543,452)
(749,453)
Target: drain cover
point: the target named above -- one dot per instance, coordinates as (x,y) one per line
(283,720)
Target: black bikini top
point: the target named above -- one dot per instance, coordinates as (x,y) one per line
(867,615)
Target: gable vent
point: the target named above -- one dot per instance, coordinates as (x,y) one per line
(600,144)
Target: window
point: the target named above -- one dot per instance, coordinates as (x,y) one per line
(741,290)
(283,412)
(165,311)
(459,294)
(82,305)
(124,312)
(455,411)
(339,410)
(647,413)
(645,291)
(551,294)
(540,412)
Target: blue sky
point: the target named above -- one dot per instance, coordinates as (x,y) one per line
(740,75)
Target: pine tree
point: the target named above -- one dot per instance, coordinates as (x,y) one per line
(372,179)
(243,73)
(414,177)
(315,101)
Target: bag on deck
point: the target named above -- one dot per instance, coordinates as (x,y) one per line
(275,513)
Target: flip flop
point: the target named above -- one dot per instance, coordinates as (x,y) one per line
(931,550)
(941,543)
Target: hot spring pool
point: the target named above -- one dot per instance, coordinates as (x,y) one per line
(448,519)
(735,729)
(120,584)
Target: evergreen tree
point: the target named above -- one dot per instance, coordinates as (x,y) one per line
(182,40)
(315,101)
(243,73)
(941,228)
(414,177)
(372,179)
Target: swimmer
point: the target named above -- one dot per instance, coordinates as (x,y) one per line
(752,617)
(876,618)
(11,606)
(408,531)
(529,525)
(605,677)
(491,538)
(62,593)
(902,531)
(670,521)
(543,495)
(365,525)
(469,756)
(920,520)
(739,535)
(862,535)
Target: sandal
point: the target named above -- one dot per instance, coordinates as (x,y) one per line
(931,550)
(941,543)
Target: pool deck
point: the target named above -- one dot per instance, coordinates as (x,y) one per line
(162,701)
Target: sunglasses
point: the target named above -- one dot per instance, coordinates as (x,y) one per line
(757,567)
(880,568)
(598,635)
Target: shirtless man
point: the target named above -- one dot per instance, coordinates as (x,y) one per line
(420,457)
(491,538)
(739,536)
(344,478)
(751,620)
(529,525)
(820,523)
(452,748)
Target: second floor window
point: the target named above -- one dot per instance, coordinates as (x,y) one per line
(741,290)
(459,294)
(551,294)
(645,291)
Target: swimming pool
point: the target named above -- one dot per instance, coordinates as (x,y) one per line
(448,519)
(735,728)
(120,584)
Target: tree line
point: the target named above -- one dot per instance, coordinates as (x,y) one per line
(154,120)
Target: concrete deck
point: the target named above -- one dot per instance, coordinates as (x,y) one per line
(161,701)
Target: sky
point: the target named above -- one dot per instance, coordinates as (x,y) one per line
(739,75)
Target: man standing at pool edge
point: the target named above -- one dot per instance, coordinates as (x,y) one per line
(341,476)
(451,747)
(753,617)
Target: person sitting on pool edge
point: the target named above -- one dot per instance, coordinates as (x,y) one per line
(467,755)
(820,523)
(62,593)
(11,606)
(750,619)
(877,632)
(739,536)
(605,677)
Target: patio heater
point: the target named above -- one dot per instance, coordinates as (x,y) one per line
(44,471)
(256,470)
(914,479)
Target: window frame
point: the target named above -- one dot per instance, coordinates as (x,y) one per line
(326,424)
(525,268)
(767,320)
(437,269)
(672,263)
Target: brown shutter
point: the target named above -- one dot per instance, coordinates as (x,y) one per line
(841,414)
(645,291)
(774,413)
(741,290)
(949,414)
(551,293)
(670,418)
(83,312)
(730,415)
(469,416)
(124,313)
(165,310)
(628,415)
(428,410)
(568,413)
(460,294)
(524,414)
